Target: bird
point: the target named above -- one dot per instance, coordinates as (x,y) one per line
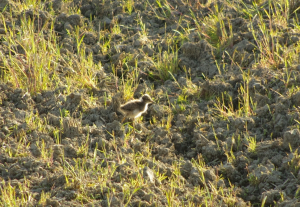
(135,108)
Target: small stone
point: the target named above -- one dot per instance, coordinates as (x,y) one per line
(149,174)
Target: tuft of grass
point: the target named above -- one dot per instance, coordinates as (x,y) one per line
(225,108)
(46,152)
(44,197)
(214,29)
(166,64)
(15,195)
(18,149)
(251,143)
(128,6)
(294,163)
(30,70)
(130,82)
(273,53)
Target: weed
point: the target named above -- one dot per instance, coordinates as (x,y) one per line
(17,195)
(251,143)
(128,6)
(44,197)
(166,64)
(294,163)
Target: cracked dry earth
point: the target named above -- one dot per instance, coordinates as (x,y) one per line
(223,131)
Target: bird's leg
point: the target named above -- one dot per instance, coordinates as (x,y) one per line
(133,127)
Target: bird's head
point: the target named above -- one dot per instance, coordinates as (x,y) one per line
(147,99)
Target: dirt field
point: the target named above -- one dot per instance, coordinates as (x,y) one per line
(224,126)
